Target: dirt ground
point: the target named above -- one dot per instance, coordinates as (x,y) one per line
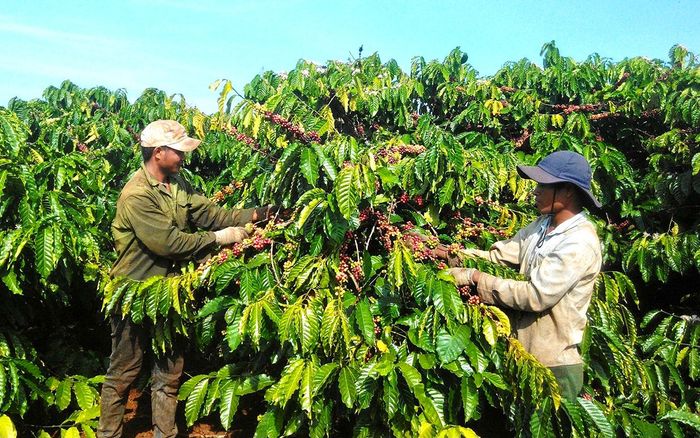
(137,421)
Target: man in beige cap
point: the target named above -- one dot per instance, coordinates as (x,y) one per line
(154,230)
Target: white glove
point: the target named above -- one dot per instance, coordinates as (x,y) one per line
(463,276)
(230,235)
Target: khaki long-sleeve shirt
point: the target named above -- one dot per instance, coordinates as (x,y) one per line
(155,230)
(553,301)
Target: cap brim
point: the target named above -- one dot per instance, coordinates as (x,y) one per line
(187,144)
(537,174)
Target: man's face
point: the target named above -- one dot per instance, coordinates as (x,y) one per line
(170,160)
(547,199)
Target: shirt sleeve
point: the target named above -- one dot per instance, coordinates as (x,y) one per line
(209,216)
(505,252)
(555,275)
(158,232)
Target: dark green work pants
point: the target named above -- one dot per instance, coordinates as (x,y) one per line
(128,344)
(570,379)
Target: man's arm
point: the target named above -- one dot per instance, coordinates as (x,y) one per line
(505,252)
(548,283)
(209,216)
(157,231)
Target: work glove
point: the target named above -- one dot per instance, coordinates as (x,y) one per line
(463,276)
(230,235)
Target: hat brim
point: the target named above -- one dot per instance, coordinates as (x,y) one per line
(537,174)
(592,198)
(187,144)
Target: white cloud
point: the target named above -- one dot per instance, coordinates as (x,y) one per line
(56,36)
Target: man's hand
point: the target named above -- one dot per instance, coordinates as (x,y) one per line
(231,235)
(282,213)
(442,251)
(464,276)
(265,213)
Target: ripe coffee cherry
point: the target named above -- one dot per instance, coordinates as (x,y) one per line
(237,249)
(393,154)
(297,131)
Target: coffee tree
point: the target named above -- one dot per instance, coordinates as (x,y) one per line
(340,321)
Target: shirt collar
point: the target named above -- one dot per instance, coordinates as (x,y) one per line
(161,186)
(569,223)
(151,180)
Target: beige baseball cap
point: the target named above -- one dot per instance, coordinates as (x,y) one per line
(168,133)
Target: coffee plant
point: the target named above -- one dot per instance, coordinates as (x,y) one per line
(340,321)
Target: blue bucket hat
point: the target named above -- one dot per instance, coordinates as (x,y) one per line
(562,166)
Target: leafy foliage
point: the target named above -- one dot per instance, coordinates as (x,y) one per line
(341,322)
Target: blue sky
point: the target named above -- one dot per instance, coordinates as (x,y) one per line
(181,46)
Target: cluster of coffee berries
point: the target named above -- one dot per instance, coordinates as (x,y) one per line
(404,198)
(226,191)
(468,229)
(297,132)
(468,294)
(257,242)
(341,276)
(357,272)
(237,249)
(387,232)
(348,267)
(224,255)
(82,147)
(622,226)
(242,137)
(568,109)
(393,154)
(366,214)
(422,248)
(523,138)
(479,201)
(343,267)
(408,226)
(377,325)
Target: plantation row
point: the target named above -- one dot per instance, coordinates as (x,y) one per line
(340,321)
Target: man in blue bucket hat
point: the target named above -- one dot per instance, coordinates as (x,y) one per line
(559,254)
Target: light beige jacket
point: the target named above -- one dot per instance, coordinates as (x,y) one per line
(553,301)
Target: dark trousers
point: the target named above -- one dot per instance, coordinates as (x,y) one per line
(570,379)
(128,344)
